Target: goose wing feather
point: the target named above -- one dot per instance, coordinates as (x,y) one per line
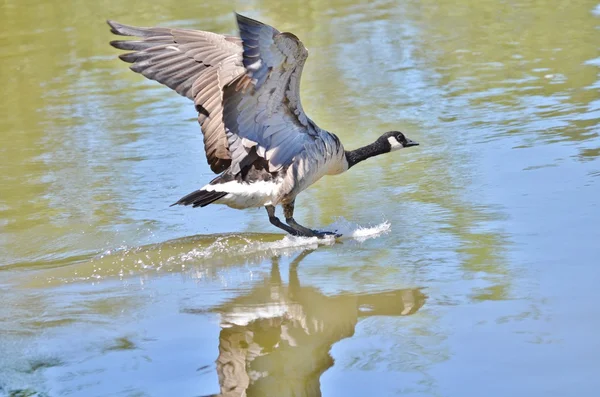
(195,64)
(246,89)
(262,107)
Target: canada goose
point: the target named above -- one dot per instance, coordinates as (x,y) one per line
(246,92)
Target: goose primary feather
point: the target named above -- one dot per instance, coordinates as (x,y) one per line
(247,93)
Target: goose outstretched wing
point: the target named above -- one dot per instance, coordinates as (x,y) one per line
(262,112)
(246,89)
(195,64)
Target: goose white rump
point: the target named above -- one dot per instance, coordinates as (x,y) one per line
(246,195)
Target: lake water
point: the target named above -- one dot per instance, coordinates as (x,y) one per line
(469,265)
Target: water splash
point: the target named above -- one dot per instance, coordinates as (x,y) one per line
(288,244)
(351,230)
(204,255)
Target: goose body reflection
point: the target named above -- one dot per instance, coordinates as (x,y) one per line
(275,340)
(247,93)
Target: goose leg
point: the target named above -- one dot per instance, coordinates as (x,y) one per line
(276,222)
(288,212)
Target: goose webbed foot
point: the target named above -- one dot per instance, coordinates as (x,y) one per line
(309,232)
(324,234)
(293,227)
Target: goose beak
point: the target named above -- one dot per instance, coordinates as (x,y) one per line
(410,143)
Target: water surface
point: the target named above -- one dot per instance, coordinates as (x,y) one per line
(479,276)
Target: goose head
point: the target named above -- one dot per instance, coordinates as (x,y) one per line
(388,142)
(396,140)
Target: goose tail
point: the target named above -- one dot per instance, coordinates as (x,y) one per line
(200,198)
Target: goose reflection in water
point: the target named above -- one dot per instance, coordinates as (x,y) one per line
(275,340)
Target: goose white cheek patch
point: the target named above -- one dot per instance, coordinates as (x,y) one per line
(394,144)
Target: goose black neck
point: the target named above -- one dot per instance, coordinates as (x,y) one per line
(362,153)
